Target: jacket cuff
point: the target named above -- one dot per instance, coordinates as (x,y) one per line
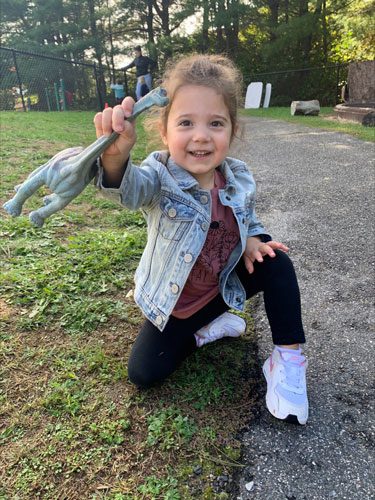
(264,237)
(112,193)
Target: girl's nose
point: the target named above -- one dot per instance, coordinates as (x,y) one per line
(201,134)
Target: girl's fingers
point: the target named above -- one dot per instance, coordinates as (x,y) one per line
(248,264)
(278,245)
(107,121)
(98,125)
(128,105)
(258,256)
(118,119)
(110,120)
(267,250)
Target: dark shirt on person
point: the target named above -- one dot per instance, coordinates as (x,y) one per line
(143,65)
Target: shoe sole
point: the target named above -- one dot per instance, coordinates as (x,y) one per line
(290,418)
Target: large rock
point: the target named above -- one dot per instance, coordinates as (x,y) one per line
(361,82)
(311,108)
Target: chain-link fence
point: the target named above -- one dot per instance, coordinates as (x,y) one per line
(39,82)
(45,83)
(323,83)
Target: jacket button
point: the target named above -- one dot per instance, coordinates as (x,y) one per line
(188,257)
(175,288)
(158,320)
(172,212)
(204,199)
(204,226)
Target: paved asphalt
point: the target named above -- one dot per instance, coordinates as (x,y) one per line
(316,194)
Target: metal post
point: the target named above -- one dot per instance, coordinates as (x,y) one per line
(47,97)
(337,83)
(62,90)
(57,96)
(126,84)
(19,80)
(100,97)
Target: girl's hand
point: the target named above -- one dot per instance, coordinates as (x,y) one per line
(113,119)
(255,251)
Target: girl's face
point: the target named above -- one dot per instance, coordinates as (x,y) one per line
(199,131)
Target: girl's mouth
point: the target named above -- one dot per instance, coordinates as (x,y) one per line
(200,154)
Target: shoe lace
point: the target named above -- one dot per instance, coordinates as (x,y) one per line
(293,371)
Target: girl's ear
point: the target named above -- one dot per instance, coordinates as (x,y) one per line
(163,135)
(237,131)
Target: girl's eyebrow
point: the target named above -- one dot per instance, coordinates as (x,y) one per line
(221,117)
(211,117)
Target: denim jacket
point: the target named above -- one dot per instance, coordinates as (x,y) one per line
(178,215)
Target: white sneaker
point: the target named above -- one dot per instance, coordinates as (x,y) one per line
(286,397)
(226,325)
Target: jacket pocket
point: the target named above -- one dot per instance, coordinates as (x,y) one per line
(175,219)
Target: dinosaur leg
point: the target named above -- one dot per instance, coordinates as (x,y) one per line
(25,190)
(49,198)
(55,203)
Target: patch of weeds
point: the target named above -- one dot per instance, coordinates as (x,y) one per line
(31,470)
(64,397)
(111,432)
(209,386)
(67,279)
(85,314)
(208,432)
(155,487)
(169,429)
(108,368)
(80,460)
(11,433)
(63,432)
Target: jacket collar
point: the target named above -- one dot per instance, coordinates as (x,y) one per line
(185,180)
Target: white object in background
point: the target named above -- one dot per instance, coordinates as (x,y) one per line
(267,96)
(253,95)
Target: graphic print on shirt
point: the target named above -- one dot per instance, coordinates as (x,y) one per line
(219,244)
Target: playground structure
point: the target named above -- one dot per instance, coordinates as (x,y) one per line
(36,82)
(57,97)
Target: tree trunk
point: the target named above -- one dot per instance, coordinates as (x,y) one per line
(286,11)
(205,26)
(150,23)
(274,17)
(220,42)
(97,46)
(111,47)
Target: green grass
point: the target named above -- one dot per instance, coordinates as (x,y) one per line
(326,120)
(71,424)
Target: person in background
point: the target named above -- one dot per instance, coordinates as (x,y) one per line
(144,66)
(144,89)
(118,88)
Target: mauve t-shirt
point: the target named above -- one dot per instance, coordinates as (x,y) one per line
(202,284)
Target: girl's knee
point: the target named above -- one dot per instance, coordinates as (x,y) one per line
(281,262)
(282,258)
(140,376)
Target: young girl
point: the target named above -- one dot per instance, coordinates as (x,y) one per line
(206,250)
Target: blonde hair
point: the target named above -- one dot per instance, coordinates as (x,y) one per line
(213,71)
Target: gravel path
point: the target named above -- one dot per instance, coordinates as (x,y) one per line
(316,194)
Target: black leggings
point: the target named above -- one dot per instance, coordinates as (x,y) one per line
(155,354)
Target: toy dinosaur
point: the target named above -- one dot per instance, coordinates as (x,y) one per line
(71,170)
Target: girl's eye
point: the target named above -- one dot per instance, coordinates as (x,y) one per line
(185,123)
(217,123)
